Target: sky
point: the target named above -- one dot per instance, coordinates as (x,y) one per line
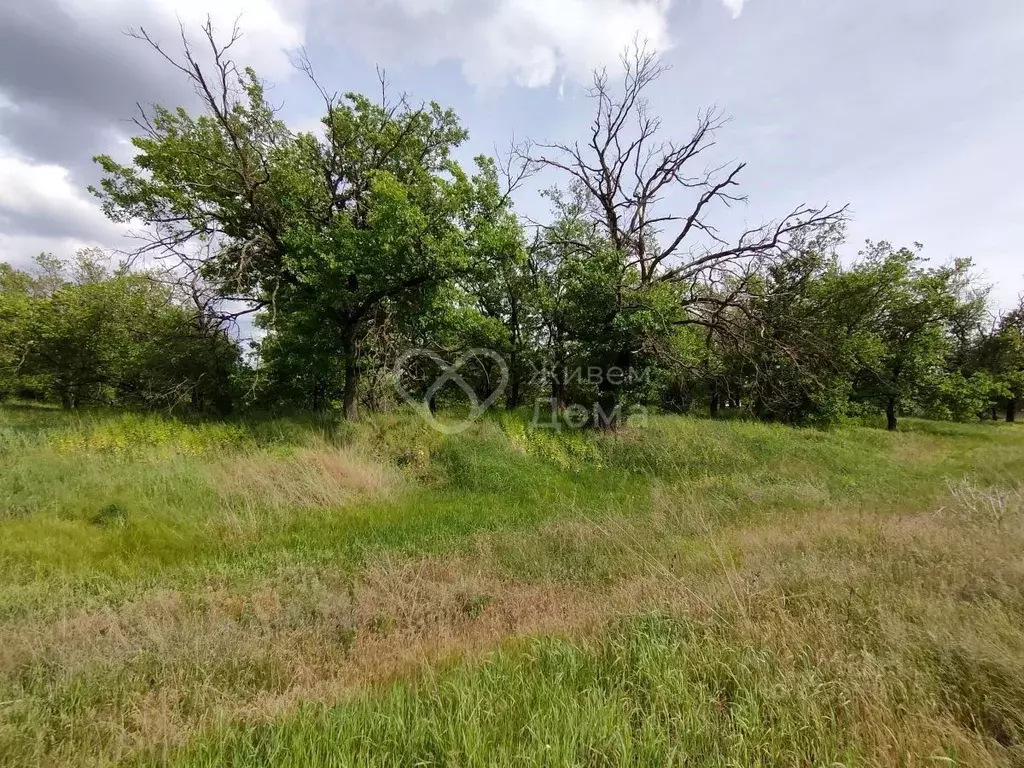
(910,111)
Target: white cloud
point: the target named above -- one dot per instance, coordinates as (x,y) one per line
(529,42)
(19,250)
(271,28)
(44,192)
(88,67)
(735,7)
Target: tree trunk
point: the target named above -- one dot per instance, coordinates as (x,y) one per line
(198,399)
(890,415)
(514,384)
(714,405)
(67,399)
(350,398)
(318,395)
(351,389)
(1011,410)
(514,398)
(609,412)
(558,389)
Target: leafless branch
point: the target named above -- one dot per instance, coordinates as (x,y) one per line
(632,178)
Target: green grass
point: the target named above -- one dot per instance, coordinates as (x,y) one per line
(651,692)
(276,592)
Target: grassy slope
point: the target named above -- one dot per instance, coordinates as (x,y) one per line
(694,592)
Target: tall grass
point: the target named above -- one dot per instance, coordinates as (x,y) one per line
(302,592)
(652,692)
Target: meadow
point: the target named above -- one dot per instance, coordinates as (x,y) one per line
(295,592)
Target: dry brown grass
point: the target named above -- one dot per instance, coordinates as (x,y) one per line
(190,661)
(321,477)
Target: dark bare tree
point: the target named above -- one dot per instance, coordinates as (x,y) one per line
(651,197)
(630,171)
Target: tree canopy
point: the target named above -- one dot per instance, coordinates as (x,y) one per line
(362,239)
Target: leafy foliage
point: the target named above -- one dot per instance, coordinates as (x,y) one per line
(81,333)
(364,239)
(331,231)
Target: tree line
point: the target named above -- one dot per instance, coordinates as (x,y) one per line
(78,331)
(351,244)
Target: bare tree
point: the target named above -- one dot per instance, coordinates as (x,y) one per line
(628,171)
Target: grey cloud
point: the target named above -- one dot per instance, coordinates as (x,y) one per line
(72,82)
(20,225)
(496,42)
(911,111)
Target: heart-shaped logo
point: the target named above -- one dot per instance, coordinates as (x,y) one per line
(450,374)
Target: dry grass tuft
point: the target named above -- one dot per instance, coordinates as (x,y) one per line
(986,506)
(310,478)
(836,590)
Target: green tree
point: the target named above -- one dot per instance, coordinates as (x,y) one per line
(900,319)
(370,213)
(15,298)
(796,364)
(82,333)
(73,333)
(1000,356)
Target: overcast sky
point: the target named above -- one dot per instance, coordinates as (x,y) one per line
(911,111)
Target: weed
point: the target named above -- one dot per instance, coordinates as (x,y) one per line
(110,515)
(473,605)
